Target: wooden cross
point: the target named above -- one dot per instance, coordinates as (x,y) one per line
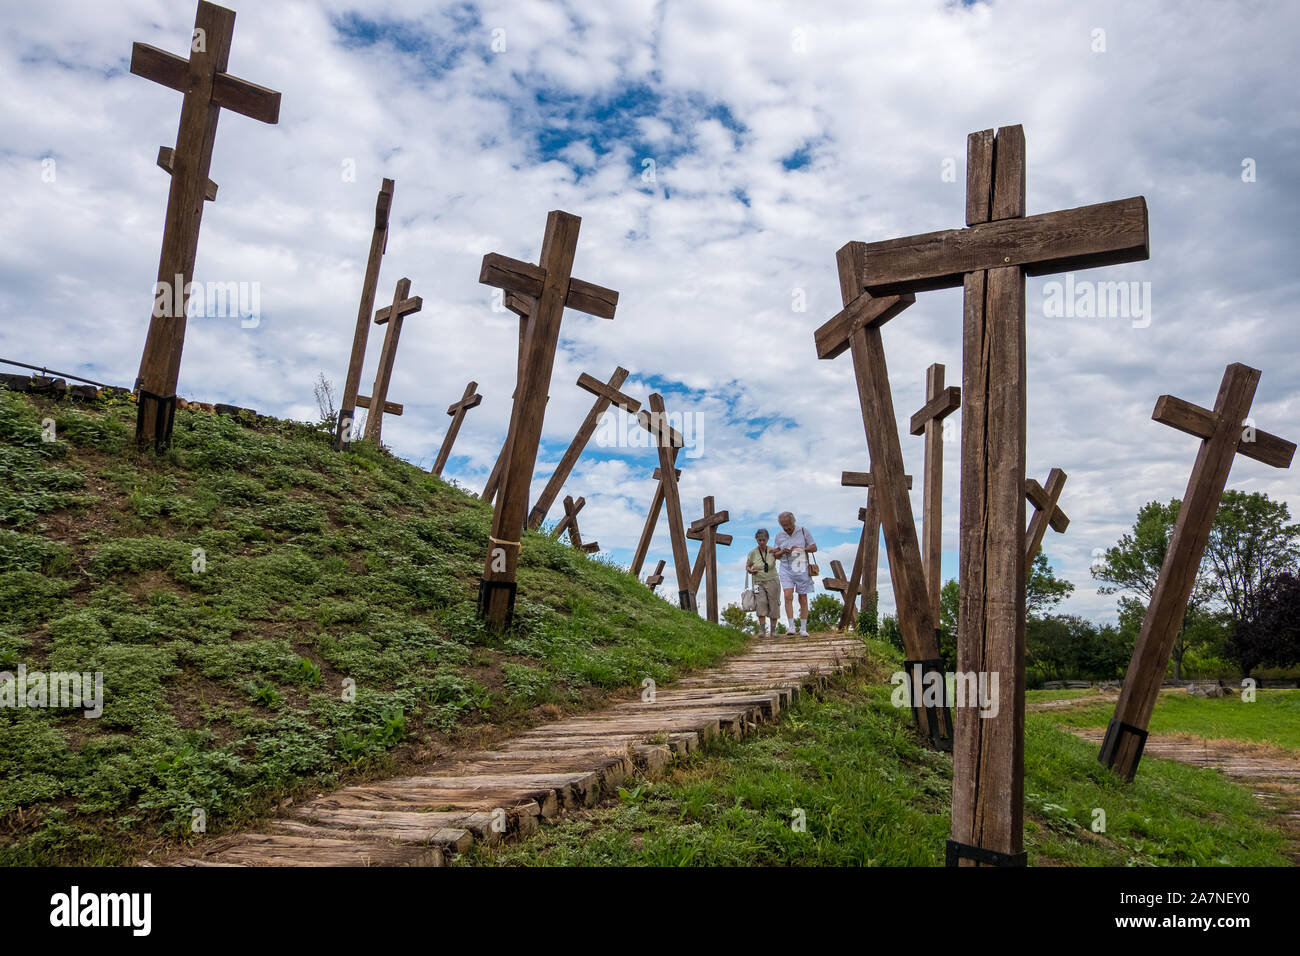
(652,517)
(654,580)
(570,524)
(707,529)
(551,285)
(390,408)
(846,587)
(352,384)
(607,394)
(989,259)
(207,89)
(940,402)
(667,442)
(456,410)
(857,328)
(697,569)
(1046,512)
(394,315)
(867,559)
(1222,439)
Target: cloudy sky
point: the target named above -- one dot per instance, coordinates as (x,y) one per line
(719,153)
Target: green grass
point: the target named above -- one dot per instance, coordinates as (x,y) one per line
(233,590)
(1272,718)
(1037,695)
(871,796)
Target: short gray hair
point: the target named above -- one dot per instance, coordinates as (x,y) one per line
(784,514)
(763,532)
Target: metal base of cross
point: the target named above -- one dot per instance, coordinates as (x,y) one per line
(485,589)
(1110,745)
(964,851)
(938,739)
(164,417)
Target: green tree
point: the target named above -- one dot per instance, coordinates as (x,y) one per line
(1251,542)
(824,612)
(1270,636)
(1044,589)
(868,622)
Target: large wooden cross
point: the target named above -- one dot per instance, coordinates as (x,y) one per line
(456,410)
(352,384)
(569,523)
(707,529)
(989,259)
(1223,437)
(393,316)
(552,287)
(697,569)
(940,402)
(667,440)
(867,558)
(1046,513)
(607,394)
(207,89)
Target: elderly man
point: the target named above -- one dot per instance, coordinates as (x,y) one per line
(792,546)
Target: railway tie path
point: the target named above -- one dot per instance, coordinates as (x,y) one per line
(506,792)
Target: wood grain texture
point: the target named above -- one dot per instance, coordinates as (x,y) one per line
(940,403)
(457,410)
(1047,513)
(988,752)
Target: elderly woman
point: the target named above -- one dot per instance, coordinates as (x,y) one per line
(762,564)
(793,545)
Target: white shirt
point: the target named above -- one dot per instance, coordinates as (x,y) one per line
(800,539)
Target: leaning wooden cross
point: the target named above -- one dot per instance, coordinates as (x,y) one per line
(707,529)
(607,394)
(654,580)
(652,518)
(856,328)
(1046,513)
(551,285)
(1223,437)
(394,315)
(456,410)
(667,440)
(569,523)
(697,569)
(990,259)
(940,402)
(352,384)
(867,558)
(207,89)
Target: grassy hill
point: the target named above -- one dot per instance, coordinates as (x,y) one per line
(229,589)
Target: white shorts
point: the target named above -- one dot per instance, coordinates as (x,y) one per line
(790,578)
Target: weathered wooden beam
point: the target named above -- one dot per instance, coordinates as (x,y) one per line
(1194,420)
(940,403)
(361,332)
(390,408)
(403,305)
(1103,234)
(1046,513)
(671,500)
(470,399)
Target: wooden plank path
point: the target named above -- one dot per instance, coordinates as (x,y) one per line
(504,793)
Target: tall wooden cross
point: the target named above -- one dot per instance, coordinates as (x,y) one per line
(569,523)
(940,402)
(1046,513)
(707,529)
(456,410)
(207,89)
(652,518)
(868,554)
(551,284)
(352,384)
(607,394)
(989,259)
(847,588)
(1223,437)
(666,440)
(697,569)
(393,316)
(654,580)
